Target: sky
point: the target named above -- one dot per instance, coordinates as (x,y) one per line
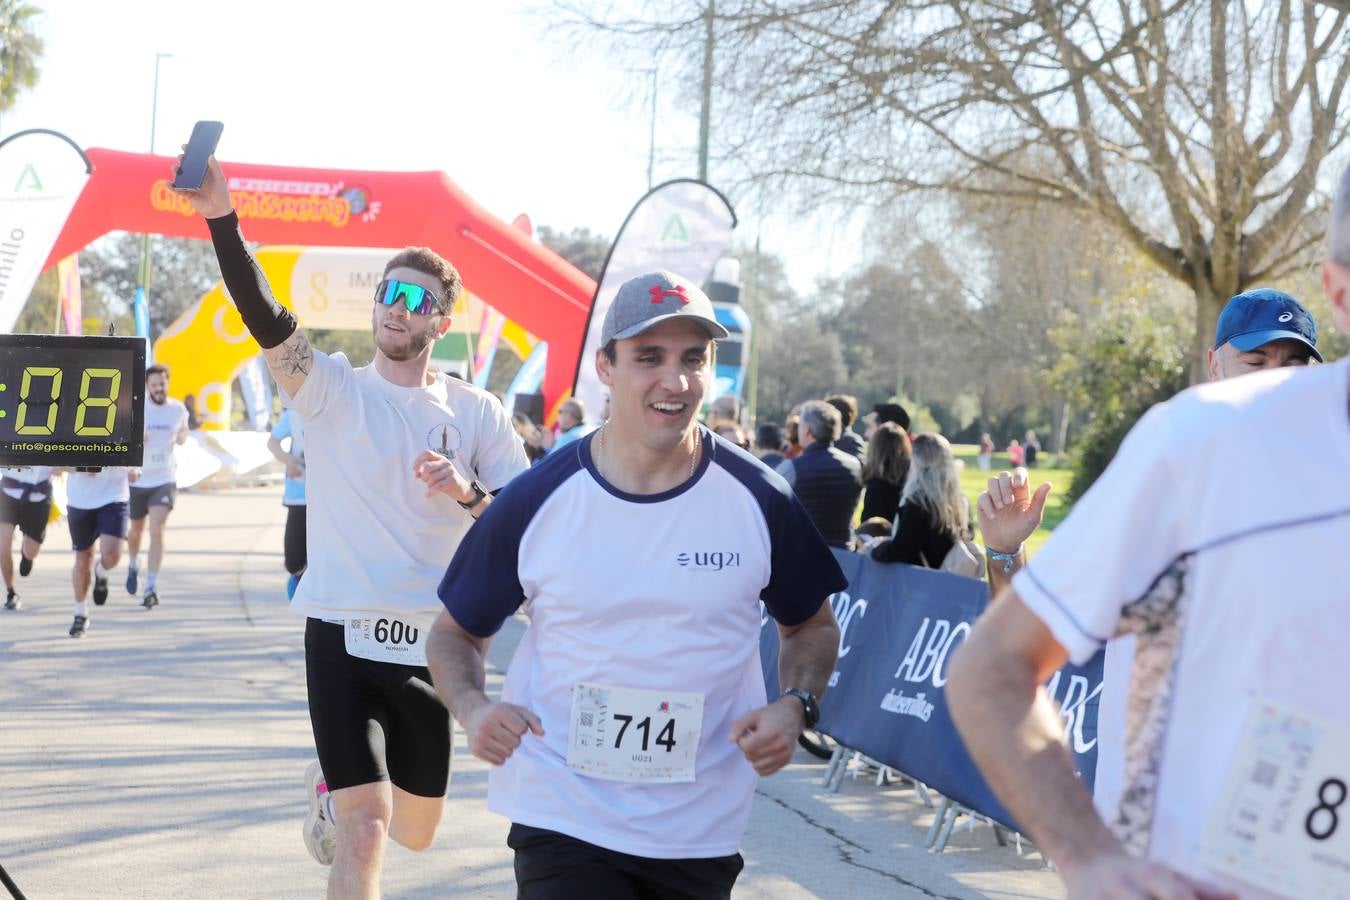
(515,113)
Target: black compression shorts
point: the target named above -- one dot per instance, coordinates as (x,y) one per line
(374,721)
(30,515)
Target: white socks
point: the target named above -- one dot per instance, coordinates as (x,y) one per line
(82,608)
(150,581)
(99,571)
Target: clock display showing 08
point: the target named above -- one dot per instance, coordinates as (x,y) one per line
(75,401)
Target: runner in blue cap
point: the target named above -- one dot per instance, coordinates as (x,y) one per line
(1262,329)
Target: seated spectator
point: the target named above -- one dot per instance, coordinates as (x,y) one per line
(1015,455)
(886,412)
(885,469)
(769,444)
(826,480)
(732,432)
(847,405)
(933,511)
(872,530)
(572,425)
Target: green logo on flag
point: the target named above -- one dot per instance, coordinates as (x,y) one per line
(675,230)
(28,180)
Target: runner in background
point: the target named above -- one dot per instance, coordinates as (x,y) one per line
(290,427)
(97,514)
(153,496)
(25,505)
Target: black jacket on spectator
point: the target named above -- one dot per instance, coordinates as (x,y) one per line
(827,481)
(880,498)
(849,442)
(916,534)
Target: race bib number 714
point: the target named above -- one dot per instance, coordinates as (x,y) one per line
(1283,819)
(634,735)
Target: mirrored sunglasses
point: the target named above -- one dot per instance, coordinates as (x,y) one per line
(416,298)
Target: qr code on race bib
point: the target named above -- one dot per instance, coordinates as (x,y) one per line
(1264,773)
(587,720)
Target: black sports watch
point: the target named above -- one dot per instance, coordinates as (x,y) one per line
(479,492)
(809,704)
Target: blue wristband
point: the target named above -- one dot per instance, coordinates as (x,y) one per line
(1006,558)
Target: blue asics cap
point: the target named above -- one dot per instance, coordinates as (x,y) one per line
(1259,316)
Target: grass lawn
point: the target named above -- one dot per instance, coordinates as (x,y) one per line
(973,481)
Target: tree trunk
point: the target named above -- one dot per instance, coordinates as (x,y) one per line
(1062,429)
(1208,303)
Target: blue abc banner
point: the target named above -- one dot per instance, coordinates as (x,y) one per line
(898,627)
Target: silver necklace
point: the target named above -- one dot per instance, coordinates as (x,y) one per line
(693,459)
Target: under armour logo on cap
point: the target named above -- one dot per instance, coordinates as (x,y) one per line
(659,293)
(643,302)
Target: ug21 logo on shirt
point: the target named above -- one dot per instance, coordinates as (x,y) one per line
(712,561)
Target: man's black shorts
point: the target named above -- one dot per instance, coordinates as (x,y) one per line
(142,498)
(30,515)
(87,524)
(553,866)
(374,721)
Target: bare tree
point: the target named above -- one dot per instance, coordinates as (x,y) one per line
(1195,128)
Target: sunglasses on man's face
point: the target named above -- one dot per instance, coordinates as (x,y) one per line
(416,298)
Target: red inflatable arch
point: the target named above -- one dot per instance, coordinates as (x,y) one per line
(531,284)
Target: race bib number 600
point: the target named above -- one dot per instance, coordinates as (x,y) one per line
(634,735)
(386,639)
(1283,819)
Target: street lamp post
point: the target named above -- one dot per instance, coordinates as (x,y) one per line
(145,239)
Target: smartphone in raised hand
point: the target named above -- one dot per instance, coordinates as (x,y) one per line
(205,136)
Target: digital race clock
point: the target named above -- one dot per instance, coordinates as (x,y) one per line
(71,401)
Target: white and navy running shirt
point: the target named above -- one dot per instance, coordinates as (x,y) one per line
(658,592)
(377,542)
(1217,538)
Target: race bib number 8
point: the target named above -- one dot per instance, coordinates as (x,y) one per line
(634,735)
(387,639)
(1283,819)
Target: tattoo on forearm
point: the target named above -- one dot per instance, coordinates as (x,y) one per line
(296,357)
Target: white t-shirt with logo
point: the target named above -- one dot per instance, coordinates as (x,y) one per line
(163,421)
(93,490)
(654,593)
(377,542)
(28,475)
(1217,537)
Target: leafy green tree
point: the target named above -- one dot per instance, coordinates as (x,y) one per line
(1134,355)
(20,50)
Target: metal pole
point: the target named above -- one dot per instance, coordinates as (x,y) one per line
(651,140)
(705,114)
(756,326)
(145,238)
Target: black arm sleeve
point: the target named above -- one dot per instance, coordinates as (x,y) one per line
(269,322)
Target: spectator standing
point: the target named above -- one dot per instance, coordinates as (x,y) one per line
(769,445)
(933,512)
(885,471)
(985,458)
(826,480)
(1015,454)
(848,441)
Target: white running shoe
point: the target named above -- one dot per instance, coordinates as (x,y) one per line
(320,833)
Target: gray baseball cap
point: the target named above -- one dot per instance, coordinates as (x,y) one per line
(653,298)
